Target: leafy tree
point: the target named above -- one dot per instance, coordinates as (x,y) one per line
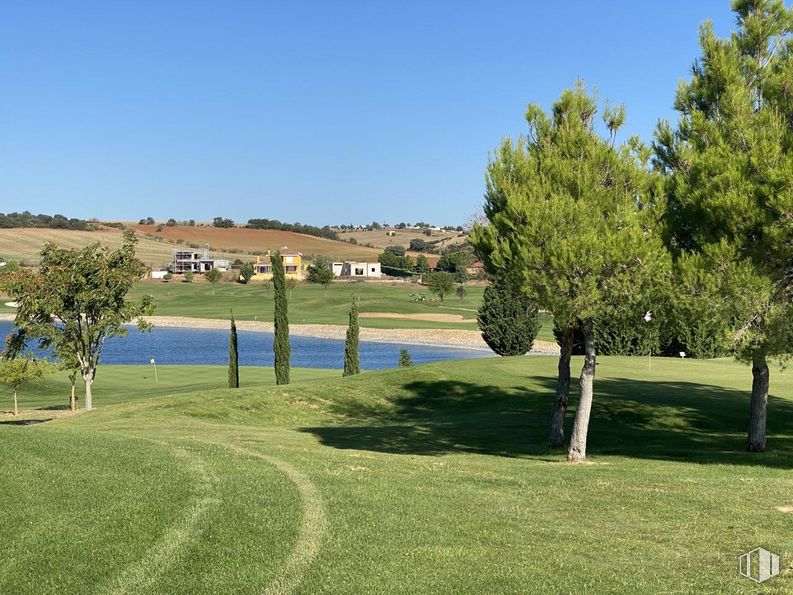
(291,283)
(422,264)
(281,346)
(213,276)
(455,262)
(221,222)
(352,358)
(18,371)
(508,318)
(418,245)
(404,358)
(170,223)
(395,250)
(440,283)
(234,368)
(187,277)
(573,216)
(320,271)
(729,166)
(76,301)
(246,272)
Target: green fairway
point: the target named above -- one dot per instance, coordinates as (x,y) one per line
(311,304)
(427,479)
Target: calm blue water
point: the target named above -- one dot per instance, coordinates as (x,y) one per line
(198,346)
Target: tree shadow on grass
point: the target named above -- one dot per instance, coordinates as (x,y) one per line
(683,421)
(24,422)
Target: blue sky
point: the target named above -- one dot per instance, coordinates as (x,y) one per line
(318,112)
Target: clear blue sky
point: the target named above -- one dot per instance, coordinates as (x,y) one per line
(319,112)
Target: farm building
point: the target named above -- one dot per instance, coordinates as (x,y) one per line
(357,270)
(293,265)
(197,262)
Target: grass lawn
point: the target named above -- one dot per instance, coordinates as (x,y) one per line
(310,304)
(429,479)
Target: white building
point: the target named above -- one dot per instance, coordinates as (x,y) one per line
(357,270)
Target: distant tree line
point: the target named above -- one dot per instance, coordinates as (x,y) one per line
(28,219)
(310,230)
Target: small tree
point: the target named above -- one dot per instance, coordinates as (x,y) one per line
(320,271)
(352,357)
(422,264)
(76,301)
(291,283)
(404,358)
(16,372)
(188,277)
(246,272)
(281,346)
(234,368)
(213,276)
(508,318)
(440,283)
(167,277)
(418,245)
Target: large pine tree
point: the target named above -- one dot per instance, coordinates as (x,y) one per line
(281,346)
(729,166)
(572,215)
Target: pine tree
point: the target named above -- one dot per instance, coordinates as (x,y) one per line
(573,216)
(234,369)
(405,360)
(729,166)
(281,346)
(352,357)
(508,318)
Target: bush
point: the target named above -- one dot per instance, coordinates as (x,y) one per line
(167,277)
(404,358)
(188,277)
(508,319)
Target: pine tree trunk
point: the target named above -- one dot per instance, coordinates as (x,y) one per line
(16,409)
(556,430)
(758,412)
(89,401)
(577,452)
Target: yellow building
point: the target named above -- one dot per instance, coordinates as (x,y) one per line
(293,265)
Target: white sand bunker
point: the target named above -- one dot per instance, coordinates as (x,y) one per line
(424,317)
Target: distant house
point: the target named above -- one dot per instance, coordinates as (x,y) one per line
(197,262)
(293,265)
(357,270)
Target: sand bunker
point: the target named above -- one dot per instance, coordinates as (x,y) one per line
(424,317)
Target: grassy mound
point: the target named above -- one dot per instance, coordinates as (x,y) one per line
(427,479)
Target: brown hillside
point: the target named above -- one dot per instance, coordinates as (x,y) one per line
(259,240)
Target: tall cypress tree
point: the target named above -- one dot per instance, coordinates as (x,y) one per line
(352,358)
(234,369)
(283,350)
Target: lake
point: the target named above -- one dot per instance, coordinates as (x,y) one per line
(185,346)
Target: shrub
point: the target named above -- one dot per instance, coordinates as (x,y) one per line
(508,319)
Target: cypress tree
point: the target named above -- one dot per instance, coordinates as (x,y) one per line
(352,359)
(283,350)
(234,369)
(508,318)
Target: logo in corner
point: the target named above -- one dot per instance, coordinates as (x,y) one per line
(758,565)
